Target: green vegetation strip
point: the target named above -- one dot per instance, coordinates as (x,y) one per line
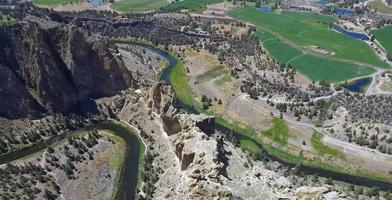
(249,138)
(322,148)
(53,2)
(139,5)
(193,5)
(384,36)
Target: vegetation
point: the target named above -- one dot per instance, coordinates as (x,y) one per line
(138,5)
(279,133)
(384,36)
(6,19)
(193,5)
(53,2)
(322,148)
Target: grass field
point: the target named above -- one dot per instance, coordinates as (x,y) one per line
(322,148)
(193,5)
(381,7)
(384,36)
(310,29)
(139,5)
(316,68)
(53,2)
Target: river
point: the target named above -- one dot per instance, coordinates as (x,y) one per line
(130,169)
(165,75)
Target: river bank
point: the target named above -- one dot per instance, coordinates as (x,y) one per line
(175,74)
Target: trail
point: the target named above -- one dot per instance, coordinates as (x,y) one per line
(345,146)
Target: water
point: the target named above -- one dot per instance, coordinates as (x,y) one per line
(322,2)
(358,85)
(129,172)
(355,35)
(95,3)
(265,9)
(344,12)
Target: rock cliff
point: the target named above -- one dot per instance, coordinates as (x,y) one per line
(55,68)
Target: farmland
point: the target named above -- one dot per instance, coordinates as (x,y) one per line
(384,36)
(139,5)
(193,5)
(310,29)
(315,67)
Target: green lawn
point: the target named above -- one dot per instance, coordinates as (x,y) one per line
(310,29)
(322,148)
(384,36)
(53,2)
(381,7)
(193,5)
(139,5)
(316,68)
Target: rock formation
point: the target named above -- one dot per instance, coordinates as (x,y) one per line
(54,68)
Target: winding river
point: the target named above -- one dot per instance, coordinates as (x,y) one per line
(129,173)
(165,75)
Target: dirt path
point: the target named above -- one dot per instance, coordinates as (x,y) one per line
(361,157)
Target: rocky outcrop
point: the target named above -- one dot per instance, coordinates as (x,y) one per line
(206,124)
(162,99)
(55,69)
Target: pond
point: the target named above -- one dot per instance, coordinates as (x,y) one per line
(344,12)
(95,3)
(358,85)
(355,35)
(322,2)
(265,9)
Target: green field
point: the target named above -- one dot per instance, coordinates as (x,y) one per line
(381,7)
(139,5)
(310,29)
(384,36)
(322,148)
(53,2)
(315,67)
(193,5)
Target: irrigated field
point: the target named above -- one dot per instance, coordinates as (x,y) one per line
(192,5)
(139,5)
(384,36)
(315,67)
(304,30)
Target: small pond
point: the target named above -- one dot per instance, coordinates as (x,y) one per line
(355,35)
(358,85)
(265,9)
(322,2)
(344,12)
(95,3)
